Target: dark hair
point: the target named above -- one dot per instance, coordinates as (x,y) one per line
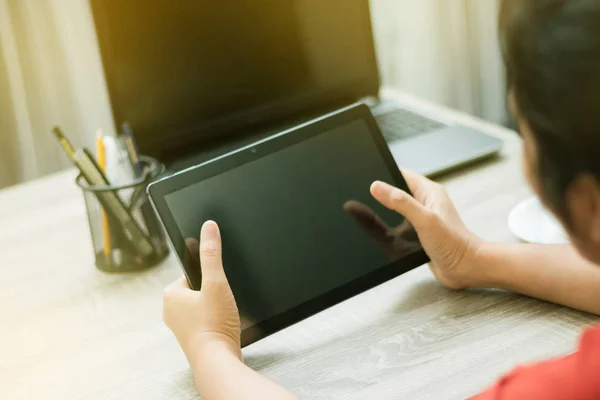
(551,50)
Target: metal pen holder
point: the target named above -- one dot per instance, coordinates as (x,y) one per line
(112,246)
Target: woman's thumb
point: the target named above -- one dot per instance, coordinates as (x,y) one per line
(210,253)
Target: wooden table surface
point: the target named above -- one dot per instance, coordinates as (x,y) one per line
(69,331)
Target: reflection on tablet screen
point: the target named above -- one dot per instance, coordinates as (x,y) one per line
(298,222)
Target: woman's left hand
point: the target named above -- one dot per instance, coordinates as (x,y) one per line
(209,316)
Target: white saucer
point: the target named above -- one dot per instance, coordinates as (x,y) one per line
(530,222)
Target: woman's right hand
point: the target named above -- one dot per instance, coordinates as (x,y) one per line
(452,248)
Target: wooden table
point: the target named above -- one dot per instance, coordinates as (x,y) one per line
(69,331)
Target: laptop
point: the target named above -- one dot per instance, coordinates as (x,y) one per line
(196,80)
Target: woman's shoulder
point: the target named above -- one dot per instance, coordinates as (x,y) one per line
(589,350)
(574,377)
(592,335)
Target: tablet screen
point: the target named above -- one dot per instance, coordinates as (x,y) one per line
(299,222)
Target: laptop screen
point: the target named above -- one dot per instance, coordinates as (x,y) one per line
(185,72)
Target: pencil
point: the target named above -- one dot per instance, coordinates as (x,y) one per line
(101,155)
(64,142)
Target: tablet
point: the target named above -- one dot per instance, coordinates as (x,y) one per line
(300,229)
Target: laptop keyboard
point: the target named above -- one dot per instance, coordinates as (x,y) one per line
(402,124)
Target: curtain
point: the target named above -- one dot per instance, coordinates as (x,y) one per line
(51,73)
(443,50)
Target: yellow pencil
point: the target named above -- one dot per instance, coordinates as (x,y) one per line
(101,155)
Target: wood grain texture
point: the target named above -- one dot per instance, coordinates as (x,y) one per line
(69,331)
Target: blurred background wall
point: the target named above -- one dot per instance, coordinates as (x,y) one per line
(51,73)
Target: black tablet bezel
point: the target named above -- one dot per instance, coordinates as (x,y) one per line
(158,190)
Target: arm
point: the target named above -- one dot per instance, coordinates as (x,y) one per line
(555,273)
(206,324)
(460,259)
(219,374)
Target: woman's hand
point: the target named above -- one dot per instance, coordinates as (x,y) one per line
(451,246)
(209,316)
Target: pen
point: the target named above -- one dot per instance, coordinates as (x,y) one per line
(111,203)
(132,148)
(152,224)
(64,142)
(101,155)
(119,168)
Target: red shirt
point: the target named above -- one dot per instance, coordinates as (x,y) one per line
(575,377)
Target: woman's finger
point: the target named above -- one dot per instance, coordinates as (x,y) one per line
(211,262)
(401,202)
